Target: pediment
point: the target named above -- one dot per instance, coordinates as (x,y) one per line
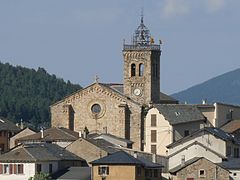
(96,88)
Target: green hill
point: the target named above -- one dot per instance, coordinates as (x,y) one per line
(27,94)
(224,88)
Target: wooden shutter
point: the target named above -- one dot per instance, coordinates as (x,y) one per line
(14,169)
(21,169)
(10,168)
(1,166)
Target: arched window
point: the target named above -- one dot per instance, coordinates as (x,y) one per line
(141,69)
(133,70)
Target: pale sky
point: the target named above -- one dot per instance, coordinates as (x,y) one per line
(77,39)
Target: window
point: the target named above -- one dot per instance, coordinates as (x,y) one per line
(155,172)
(236,152)
(186,133)
(1,147)
(154,149)
(229,151)
(103,170)
(153,136)
(39,168)
(202,173)
(18,169)
(138,171)
(6,169)
(133,70)
(96,109)
(50,168)
(153,120)
(141,69)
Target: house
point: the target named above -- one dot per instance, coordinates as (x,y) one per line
(24,132)
(7,129)
(61,136)
(121,165)
(199,168)
(25,161)
(211,143)
(218,114)
(91,149)
(167,123)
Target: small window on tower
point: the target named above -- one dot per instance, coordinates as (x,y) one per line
(141,69)
(133,70)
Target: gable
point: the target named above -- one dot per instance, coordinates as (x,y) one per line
(99,88)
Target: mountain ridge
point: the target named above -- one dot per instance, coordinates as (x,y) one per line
(224,88)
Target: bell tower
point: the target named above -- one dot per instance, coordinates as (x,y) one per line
(142,67)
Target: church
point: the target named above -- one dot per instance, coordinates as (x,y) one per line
(115,108)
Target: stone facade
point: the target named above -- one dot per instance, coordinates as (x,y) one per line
(118,115)
(208,170)
(145,77)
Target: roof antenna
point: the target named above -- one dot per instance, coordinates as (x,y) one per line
(142,15)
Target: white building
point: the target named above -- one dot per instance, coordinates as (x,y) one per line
(168,123)
(25,161)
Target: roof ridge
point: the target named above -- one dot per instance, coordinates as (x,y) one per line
(66,132)
(29,153)
(196,142)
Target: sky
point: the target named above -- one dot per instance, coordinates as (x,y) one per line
(79,39)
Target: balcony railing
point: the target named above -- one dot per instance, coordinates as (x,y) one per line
(142,47)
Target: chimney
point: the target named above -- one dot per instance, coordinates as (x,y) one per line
(204,101)
(84,134)
(41,131)
(183,160)
(154,156)
(80,134)
(135,154)
(21,124)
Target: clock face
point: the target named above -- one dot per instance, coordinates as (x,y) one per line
(137,91)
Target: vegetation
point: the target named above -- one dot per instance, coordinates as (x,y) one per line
(39,176)
(27,94)
(224,88)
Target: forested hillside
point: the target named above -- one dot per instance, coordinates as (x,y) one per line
(27,94)
(224,88)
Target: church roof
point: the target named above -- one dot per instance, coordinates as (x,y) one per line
(106,85)
(164,99)
(179,113)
